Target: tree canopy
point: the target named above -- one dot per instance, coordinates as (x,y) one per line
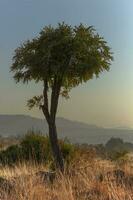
(71,55)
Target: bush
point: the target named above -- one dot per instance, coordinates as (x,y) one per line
(115,144)
(37,148)
(67,149)
(11,155)
(118,155)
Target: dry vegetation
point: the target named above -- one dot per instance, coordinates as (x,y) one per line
(87,178)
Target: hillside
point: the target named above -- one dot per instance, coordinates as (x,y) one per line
(76,132)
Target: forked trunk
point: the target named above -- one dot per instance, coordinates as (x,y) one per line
(50,117)
(55,146)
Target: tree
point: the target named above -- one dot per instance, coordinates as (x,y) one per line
(61,58)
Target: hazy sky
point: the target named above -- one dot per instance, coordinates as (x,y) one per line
(107,101)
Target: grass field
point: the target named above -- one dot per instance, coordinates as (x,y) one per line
(86,178)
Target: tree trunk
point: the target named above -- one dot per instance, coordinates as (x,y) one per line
(55,146)
(50,117)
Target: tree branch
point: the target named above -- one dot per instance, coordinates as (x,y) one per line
(54,98)
(45,107)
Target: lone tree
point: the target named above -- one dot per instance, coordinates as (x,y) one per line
(61,58)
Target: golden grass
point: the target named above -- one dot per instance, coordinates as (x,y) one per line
(79,182)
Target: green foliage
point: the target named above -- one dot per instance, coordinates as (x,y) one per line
(36,101)
(115,144)
(63,54)
(118,155)
(11,155)
(67,149)
(36,148)
(117,150)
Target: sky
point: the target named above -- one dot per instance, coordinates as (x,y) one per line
(107,101)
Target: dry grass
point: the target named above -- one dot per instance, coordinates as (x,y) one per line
(80,182)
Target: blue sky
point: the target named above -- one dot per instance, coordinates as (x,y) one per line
(107,101)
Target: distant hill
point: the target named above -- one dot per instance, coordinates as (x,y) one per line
(76,132)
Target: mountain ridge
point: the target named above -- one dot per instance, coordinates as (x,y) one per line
(75,131)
